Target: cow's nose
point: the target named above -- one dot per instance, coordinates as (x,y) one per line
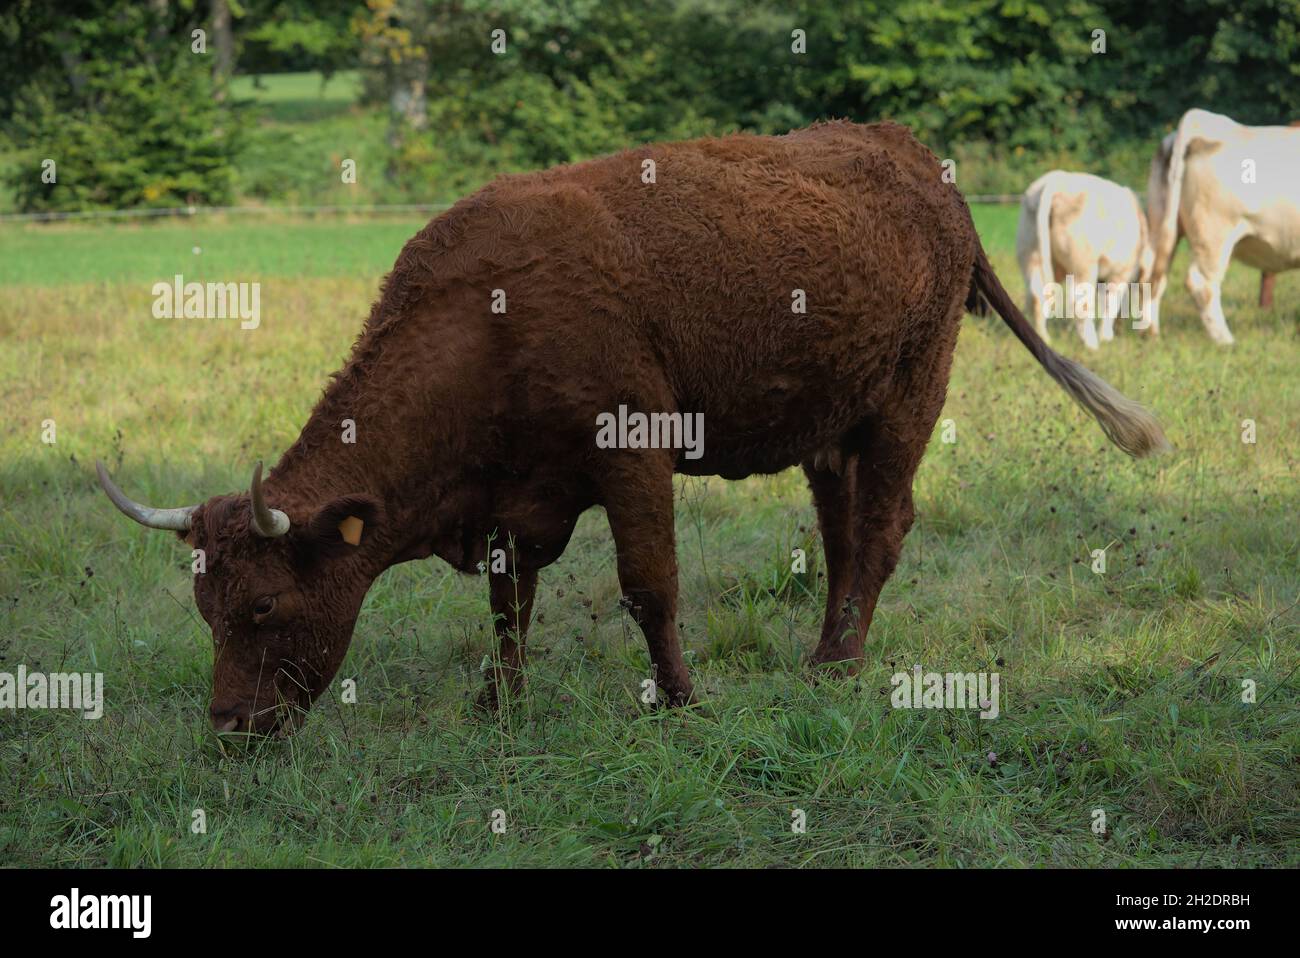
(228,719)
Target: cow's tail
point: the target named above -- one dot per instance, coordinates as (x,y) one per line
(1146,255)
(1126,423)
(1164,193)
(1045,233)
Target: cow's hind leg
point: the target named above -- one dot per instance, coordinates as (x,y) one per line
(1112,300)
(1036,293)
(1150,321)
(1207,290)
(511,595)
(881,514)
(1210,258)
(1085,307)
(886,452)
(832,492)
(637,492)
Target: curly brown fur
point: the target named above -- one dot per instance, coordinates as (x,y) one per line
(476,430)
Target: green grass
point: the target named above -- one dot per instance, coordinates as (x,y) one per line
(300,97)
(301,132)
(257,246)
(203,248)
(1112,695)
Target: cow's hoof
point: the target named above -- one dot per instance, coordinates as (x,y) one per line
(489,698)
(675,696)
(835,660)
(683,698)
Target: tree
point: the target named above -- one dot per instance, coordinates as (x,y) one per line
(121,103)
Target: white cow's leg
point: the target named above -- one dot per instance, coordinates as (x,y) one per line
(1085,307)
(1150,322)
(1035,304)
(1038,304)
(1210,258)
(1110,299)
(1208,293)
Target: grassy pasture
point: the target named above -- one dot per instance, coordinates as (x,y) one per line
(300,97)
(1120,692)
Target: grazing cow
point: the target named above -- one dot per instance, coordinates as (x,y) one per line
(801,293)
(1232,190)
(1081,226)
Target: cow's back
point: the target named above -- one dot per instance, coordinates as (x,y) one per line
(1095,223)
(1249,174)
(774,284)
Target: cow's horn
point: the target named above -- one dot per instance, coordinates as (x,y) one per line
(175,519)
(267,522)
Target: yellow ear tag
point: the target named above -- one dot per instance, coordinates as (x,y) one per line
(350,530)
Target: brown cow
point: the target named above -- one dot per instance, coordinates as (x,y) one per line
(662,280)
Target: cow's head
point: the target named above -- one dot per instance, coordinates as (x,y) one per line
(280,593)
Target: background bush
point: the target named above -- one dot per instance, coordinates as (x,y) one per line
(1009,88)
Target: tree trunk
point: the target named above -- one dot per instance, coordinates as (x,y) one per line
(223,47)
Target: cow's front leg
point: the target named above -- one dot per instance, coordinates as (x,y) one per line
(511,595)
(638,498)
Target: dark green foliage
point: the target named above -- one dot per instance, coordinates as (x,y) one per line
(1007,88)
(284,36)
(581,78)
(156,139)
(125,109)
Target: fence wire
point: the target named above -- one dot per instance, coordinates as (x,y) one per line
(188,211)
(166,211)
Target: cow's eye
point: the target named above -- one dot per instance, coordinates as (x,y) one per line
(263,608)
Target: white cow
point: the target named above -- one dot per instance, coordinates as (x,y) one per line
(1080,226)
(1233,191)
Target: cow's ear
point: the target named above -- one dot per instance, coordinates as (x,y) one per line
(343,525)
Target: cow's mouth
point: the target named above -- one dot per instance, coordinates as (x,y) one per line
(279,720)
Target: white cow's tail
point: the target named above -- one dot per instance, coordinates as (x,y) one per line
(1146,255)
(1164,231)
(1045,233)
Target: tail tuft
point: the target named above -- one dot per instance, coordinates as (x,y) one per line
(1126,423)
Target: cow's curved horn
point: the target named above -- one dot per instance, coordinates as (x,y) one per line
(175,519)
(268,523)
